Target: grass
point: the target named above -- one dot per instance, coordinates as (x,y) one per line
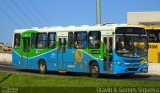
(65,82)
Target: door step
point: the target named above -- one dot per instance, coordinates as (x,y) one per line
(62,71)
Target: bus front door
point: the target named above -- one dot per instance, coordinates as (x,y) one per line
(108,41)
(61,53)
(25,51)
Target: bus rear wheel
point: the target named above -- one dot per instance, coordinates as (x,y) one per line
(94,70)
(42,66)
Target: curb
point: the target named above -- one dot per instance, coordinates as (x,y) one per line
(2,63)
(150,74)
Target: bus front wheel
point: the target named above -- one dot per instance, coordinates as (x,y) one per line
(42,66)
(94,70)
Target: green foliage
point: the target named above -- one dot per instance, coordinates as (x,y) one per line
(28,83)
(23,80)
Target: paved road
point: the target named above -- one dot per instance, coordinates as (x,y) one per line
(10,68)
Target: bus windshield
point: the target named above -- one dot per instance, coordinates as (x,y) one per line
(131,46)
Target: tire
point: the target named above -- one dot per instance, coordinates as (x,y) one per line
(42,67)
(94,70)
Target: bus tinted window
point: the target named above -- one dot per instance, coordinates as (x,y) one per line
(41,40)
(52,40)
(80,39)
(153,36)
(17,41)
(70,39)
(130,30)
(33,40)
(94,39)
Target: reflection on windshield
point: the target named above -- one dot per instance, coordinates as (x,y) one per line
(131,46)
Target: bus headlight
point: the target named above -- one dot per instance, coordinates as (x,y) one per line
(120,63)
(144,62)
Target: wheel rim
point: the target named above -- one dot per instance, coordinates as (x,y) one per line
(42,67)
(94,70)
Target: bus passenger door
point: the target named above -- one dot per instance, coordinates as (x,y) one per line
(61,53)
(108,44)
(25,51)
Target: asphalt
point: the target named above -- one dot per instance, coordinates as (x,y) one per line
(11,69)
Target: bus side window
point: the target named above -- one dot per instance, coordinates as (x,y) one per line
(70,40)
(94,39)
(41,40)
(17,40)
(110,44)
(33,40)
(80,39)
(52,40)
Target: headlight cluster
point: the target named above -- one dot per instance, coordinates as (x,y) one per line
(144,62)
(120,63)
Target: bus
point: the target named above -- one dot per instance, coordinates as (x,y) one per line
(153,32)
(101,49)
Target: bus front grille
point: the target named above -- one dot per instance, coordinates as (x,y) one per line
(132,69)
(132,61)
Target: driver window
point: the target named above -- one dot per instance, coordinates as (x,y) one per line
(119,43)
(128,43)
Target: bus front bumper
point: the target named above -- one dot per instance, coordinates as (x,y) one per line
(126,70)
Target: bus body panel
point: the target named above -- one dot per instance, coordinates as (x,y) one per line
(75,59)
(129,65)
(52,65)
(16,58)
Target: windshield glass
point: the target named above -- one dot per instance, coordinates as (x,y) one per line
(131,46)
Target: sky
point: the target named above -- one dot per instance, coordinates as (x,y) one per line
(25,14)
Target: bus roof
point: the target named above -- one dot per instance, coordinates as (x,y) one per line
(107,27)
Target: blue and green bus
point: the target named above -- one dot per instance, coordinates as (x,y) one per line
(108,49)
